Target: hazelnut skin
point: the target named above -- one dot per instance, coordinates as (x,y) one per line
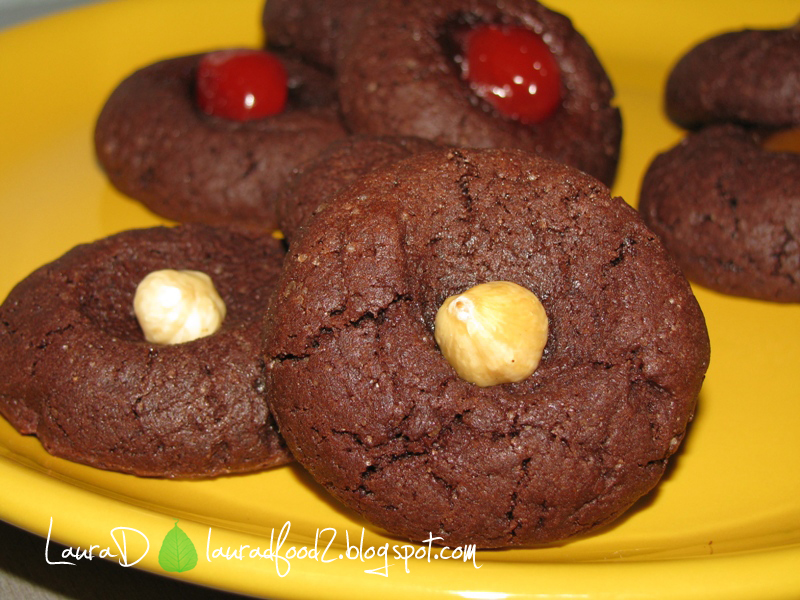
(492,333)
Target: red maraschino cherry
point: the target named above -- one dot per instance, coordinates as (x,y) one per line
(241,84)
(513,69)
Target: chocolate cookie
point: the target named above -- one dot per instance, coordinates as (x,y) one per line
(748,77)
(312,185)
(374,411)
(159,148)
(78,373)
(729,211)
(317,30)
(402,75)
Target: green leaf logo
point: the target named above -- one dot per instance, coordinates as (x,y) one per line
(177,552)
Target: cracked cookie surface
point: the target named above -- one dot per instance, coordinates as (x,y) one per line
(79,374)
(729,211)
(371,408)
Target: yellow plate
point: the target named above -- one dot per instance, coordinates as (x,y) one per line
(725,523)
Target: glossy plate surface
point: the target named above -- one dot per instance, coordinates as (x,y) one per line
(725,523)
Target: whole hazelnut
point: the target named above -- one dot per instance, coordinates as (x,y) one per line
(173,307)
(492,333)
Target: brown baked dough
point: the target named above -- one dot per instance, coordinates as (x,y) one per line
(315,183)
(158,147)
(78,373)
(372,409)
(748,77)
(729,211)
(400,77)
(316,30)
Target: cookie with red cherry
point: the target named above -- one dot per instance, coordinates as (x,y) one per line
(480,73)
(211,137)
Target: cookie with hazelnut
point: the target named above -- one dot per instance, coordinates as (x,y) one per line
(140,353)
(210,138)
(483,74)
(519,413)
